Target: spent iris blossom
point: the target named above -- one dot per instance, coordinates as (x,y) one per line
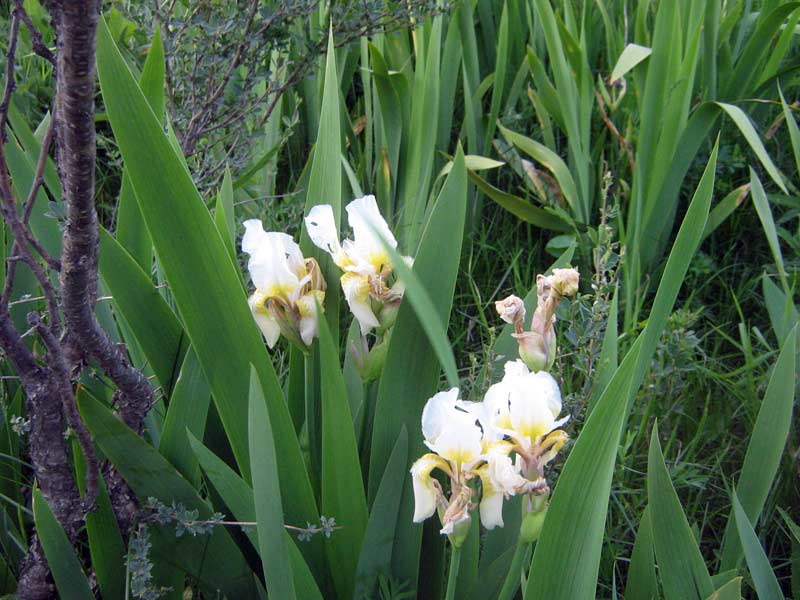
(288,286)
(367,267)
(537,347)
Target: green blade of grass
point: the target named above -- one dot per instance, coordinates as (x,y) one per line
(750,134)
(376,551)
(426,313)
(499,78)
(64,564)
(267,497)
(152,322)
(768,224)
(766,584)
(187,412)
(632,55)
(783,313)
(725,208)
(763,455)
(683,571)
(746,71)
(732,590)
(325,181)
(342,487)
(131,230)
(522,209)
(224,216)
(106,547)
(551,161)
(642,582)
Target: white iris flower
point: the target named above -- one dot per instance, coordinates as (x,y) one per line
(364,260)
(288,286)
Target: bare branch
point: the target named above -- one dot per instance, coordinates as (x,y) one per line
(39,47)
(75,134)
(5,103)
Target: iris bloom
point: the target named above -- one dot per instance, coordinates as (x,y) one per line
(524,408)
(463,451)
(366,264)
(537,347)
(288,286)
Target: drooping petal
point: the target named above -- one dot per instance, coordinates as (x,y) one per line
(264,319)
(425,491)
(491,508)
(500,477)
(322,230)
(368,226)
(551,445)
(356,292)
(307,308)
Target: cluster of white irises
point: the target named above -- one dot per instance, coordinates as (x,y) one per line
(474,442)
(470,442)
(290,287)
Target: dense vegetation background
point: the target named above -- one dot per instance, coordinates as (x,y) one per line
(587,128)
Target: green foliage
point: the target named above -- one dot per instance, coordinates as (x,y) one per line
(590,129)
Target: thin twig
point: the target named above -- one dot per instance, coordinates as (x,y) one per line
(37,42)
(38,179)
(613,129)
(5,104)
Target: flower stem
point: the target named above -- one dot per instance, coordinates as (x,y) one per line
(511,583)
(452,577)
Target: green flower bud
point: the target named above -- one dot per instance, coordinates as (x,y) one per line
(534,510)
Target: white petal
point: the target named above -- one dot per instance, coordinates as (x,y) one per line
(460,438)
(322,230)
(504,475)
(294,257)
(544,384)
(497,413)
(530,415)
(266,323)
(356,292)
(491,509)
(368,226)
(424,490)
(269,266)
(435,413)
(253,235)
(309,320)
(358,259)
(515,368)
